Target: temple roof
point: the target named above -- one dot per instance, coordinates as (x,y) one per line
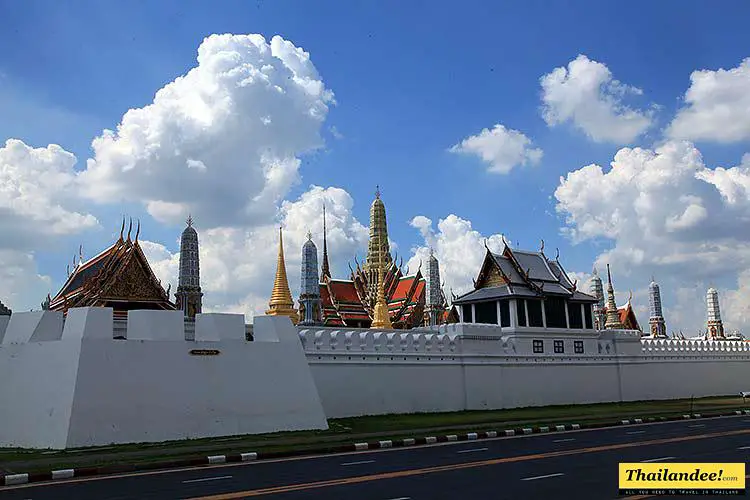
(520,273)
(120,274)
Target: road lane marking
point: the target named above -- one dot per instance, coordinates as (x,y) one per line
(563,440)
(303,458)
(697,425)
(215,478)
(636,432)
(401,498)
(473,449)
(543,477)
(466,465)
(744,448)
(658,459)
(357,463)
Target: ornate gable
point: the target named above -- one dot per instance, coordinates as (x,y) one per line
(490,274)
(132,282)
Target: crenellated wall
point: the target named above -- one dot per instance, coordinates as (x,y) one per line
(73,384)
(474,366)
(90,380)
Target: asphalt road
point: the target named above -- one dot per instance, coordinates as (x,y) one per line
(575,465)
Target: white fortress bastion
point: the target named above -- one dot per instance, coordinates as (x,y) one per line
(91,380)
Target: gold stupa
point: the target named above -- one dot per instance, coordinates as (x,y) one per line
(281,303)
(380,316)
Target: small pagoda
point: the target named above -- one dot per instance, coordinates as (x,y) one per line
(120,277)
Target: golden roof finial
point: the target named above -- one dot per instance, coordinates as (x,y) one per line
(381,317)
(281,303)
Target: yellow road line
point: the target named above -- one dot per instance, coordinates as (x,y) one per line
(465,465)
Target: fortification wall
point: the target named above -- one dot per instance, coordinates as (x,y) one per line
(361,372)
(82,387)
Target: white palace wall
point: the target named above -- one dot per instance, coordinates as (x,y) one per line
(91,381)
(81,387)
(474,367)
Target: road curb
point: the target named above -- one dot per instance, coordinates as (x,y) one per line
(62,474)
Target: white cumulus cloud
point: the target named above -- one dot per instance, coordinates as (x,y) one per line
(222,141)
(38,196)
(717,106)
(587,95)
(500,148)
(458,247)
(665,213)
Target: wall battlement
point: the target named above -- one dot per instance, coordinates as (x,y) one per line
(677,347)
(50,326)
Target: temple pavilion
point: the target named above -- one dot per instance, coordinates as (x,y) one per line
(120,277)
(525,289)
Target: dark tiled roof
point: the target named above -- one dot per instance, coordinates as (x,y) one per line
(535,265)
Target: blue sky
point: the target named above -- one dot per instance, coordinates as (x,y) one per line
(411,79)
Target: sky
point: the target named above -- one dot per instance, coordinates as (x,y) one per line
(617,132)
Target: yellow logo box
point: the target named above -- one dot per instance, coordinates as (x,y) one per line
(681,476)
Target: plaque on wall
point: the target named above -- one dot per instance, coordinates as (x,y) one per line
(204,352)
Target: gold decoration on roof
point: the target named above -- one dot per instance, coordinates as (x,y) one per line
(381,317)
(281,303)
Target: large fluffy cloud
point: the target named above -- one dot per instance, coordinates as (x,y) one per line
(238,264)
(587,95)
(38,203)
(222,141)
(458,247)
(717,106)
(37,195)
(667,214)
(500,148)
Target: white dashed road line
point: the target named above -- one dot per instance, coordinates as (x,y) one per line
(207,479)
(543,477)
(357,463)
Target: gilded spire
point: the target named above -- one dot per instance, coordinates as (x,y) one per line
(613,316)
(325,269)
(281,303)
(378,244)
(381,317)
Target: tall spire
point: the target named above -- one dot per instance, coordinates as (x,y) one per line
(656,317)
(281,303)
(325,270)
(381,317)
(715,325)
(310,309)
(189,297)
(613,316)
(378,245)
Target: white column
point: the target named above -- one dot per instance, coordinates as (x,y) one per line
(497,308)
(473,313)
(513,308)
(567,316)
(460,309)
(526,311)
(544,316)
